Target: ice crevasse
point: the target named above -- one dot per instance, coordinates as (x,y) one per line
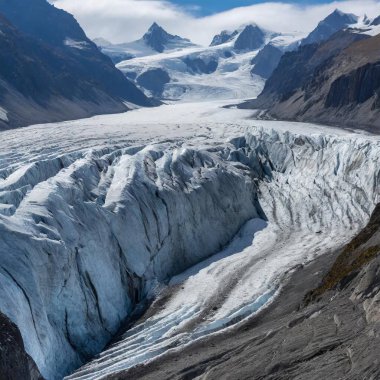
(87,235)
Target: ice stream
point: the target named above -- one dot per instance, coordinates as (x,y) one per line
(213,209)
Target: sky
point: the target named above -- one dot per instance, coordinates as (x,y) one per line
(199,20)
(206,7)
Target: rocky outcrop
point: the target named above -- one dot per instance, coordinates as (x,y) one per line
(15,363)
(297,68)
(223,37)
(154,80)
(266,61)
(251,38)
(197,65)
(54,72)
(354,260)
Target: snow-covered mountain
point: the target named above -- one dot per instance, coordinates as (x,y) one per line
(221,71)
(159,40)
(331,24)
(155,40)
(235,65)
(251,38)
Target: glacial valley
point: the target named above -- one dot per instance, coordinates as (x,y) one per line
(233,204)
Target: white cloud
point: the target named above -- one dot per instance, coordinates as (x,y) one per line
(127,20)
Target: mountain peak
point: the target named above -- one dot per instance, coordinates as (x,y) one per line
(366,20)
(159,39)
(155,26)
(251,38)
(338,12)
(349,18)
(334,22)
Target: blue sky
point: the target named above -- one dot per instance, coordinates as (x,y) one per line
(206,7)
(127,20)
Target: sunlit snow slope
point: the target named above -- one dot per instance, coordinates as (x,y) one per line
(95,215)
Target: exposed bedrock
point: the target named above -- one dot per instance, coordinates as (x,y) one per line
(87,236)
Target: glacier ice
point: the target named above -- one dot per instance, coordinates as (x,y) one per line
(88,233)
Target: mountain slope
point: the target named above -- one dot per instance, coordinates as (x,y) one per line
(220,71)
(336,82)
(266,61)
(54,71)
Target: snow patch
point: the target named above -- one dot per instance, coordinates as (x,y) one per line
(81,45)
(3,114)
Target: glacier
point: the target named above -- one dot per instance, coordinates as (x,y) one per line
(98,214)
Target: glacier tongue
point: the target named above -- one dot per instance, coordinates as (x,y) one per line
(315,193)
(88,234)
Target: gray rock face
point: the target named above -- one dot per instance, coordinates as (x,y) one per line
(251,38)
(364,84)
(223,37)
(266,61)
(154,80)
(297,68)
(331,24)
(157,38)
(197,65)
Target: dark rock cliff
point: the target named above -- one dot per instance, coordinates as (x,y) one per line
(55,72)
(336,82)
(15,363)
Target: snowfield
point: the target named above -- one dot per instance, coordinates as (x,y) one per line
(231,78)
(198,74)
(194,204)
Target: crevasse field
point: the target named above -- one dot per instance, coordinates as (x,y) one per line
(195,205)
